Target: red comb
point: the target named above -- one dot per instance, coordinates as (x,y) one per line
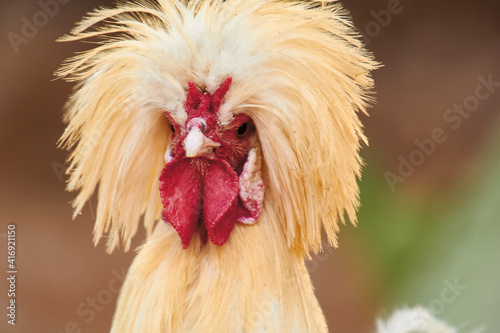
(219,95)
(193,97)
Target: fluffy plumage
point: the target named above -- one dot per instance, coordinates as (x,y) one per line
(299,71)
(413,320)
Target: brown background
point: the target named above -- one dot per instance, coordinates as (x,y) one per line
(433,52)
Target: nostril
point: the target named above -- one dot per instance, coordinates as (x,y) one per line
(199,123)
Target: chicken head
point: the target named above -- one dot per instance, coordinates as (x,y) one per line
(212,177)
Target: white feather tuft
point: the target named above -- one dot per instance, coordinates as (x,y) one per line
(298,68)
(416,320)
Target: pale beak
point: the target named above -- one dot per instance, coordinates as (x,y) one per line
(196,144)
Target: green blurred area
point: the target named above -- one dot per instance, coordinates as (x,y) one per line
(440,251)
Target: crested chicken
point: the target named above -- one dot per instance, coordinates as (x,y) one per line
(231,129)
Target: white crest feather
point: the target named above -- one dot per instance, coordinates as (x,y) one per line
(299,71)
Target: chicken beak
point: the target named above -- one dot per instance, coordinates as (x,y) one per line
(196,144)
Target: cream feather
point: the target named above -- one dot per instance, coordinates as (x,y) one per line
(299,71)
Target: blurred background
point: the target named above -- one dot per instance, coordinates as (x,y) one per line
(429,224)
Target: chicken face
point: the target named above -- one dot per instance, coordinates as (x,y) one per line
(212,178)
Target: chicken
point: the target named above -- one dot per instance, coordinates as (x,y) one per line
(231,128)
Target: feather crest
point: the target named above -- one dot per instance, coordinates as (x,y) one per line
(298,70)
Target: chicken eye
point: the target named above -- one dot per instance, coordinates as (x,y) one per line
(242,130)
(172,128)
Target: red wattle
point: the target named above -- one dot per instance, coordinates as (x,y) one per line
(180,192)
(220,200)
